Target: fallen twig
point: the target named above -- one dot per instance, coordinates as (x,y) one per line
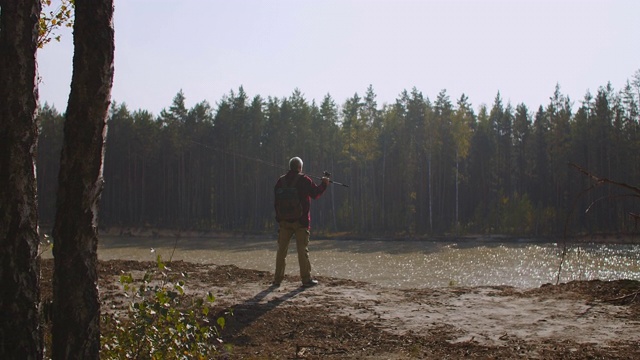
(621,298)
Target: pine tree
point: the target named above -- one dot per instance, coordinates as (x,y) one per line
(76,304)
(20,332)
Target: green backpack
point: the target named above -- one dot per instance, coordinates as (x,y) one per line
(288,206)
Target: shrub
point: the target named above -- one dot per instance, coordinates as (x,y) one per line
(160,322)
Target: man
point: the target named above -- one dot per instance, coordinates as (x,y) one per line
(297,224)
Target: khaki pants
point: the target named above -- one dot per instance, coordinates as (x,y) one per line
(285,232)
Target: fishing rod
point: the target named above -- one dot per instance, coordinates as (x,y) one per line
(325,173)
(328,175)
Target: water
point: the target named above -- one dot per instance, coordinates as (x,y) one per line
(400,264)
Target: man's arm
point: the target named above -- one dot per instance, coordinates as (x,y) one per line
(317,190)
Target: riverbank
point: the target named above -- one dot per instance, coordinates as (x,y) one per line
(345,319)
(147,232)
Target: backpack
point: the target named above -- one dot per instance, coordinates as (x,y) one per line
(288,206)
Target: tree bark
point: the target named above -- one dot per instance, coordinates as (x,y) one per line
(76,306)
(20,333)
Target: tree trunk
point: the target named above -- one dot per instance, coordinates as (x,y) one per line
(430,198)
(20,333)
(76,307)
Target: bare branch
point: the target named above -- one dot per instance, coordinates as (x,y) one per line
(597,182)
(601,181)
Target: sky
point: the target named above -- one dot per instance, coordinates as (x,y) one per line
(208,48)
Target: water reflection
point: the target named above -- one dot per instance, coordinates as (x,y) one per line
(405,264)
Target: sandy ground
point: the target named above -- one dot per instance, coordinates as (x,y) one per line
(344,319)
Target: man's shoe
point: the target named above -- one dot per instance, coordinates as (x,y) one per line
(310,283)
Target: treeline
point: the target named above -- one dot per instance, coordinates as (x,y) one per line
(417,166)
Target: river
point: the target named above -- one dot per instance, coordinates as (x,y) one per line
(400,264)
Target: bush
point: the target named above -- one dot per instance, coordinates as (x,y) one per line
(161,322)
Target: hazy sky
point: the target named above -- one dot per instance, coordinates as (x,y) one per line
(208,48)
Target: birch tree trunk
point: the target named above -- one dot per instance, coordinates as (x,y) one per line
(76,306)
(20,333)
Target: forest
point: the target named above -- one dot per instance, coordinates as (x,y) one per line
(417,166)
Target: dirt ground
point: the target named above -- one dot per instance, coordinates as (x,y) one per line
(344,319)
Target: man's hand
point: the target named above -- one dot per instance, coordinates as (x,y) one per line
(325,180)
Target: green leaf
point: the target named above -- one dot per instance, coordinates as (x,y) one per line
(221,322)
(159,262)
(126,279)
